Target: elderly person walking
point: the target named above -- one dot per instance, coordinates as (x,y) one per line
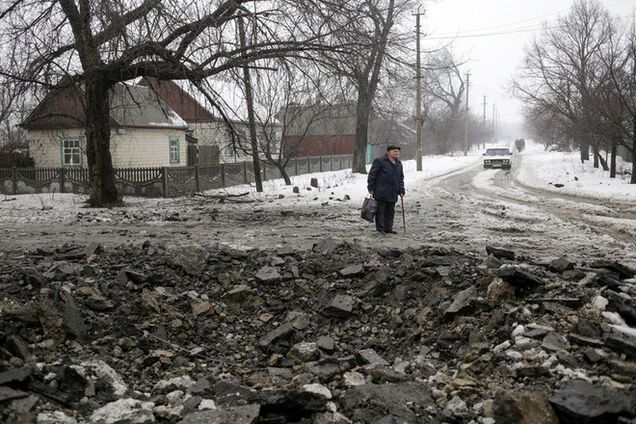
(385,183)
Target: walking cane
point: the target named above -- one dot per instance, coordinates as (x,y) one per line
(403,218)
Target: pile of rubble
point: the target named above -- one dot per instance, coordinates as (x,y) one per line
(339,334)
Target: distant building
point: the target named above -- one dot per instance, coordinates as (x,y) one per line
(323,129)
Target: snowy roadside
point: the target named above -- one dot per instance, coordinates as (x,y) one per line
(562,172)
(56,207)
(538,169)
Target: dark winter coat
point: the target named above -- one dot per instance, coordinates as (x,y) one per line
(386,179)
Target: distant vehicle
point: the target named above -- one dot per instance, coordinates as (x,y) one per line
(520,144)
(498,157)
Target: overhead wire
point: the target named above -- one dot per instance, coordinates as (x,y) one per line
(475,33)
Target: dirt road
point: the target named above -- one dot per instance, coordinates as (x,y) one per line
(468,209)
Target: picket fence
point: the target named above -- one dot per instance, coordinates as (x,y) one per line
(161,181)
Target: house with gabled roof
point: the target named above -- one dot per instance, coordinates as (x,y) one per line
(145,131)
(207,132)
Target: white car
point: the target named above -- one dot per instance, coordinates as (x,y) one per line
(498,157)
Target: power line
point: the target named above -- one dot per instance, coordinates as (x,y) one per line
(509,23)
(474,33)
(491,34)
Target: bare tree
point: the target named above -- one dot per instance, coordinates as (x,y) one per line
(14,101)
(617,101)
(304,103)
(562,71)
(278,93)
(374,28)
(444,89)
(100,44)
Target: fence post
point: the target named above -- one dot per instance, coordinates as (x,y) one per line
(14,180)
(331,162)
(320,157)
(245,181)
(223,175)
(164,181)
(296,165)
(196,178)
(340,165)
(62,178)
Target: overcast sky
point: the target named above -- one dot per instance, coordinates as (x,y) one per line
(492,34)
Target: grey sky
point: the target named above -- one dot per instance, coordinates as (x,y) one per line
(492,34)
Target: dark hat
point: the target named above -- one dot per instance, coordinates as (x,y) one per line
(393,146)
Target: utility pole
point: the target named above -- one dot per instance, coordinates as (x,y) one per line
(483,122)
(493,123)
(249,98)
(419,120)
(466,116)
(498,123)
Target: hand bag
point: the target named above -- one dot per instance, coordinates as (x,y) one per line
(369,205)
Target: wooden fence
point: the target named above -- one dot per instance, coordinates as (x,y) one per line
(161,181)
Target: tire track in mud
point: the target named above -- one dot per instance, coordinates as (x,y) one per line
(610,218)
(538,221)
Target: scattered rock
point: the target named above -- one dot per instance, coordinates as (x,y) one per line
(500,253)
(124,410)
(339,306)
(519,278)
(519,407)
(371,357)
(268,274)
(583,402)
(340,333)
(463,300)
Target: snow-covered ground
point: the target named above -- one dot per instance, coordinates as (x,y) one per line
(533,168)
(545,170)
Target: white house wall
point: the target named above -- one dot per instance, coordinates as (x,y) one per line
(141,147)
(215,134)
(135,147)
(44,146)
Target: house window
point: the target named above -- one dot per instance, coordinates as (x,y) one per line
(71,151)
(174,149)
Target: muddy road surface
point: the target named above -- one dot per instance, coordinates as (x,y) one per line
(469,209)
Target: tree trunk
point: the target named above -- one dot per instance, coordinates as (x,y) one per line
(283,171)
(585,152)
(613,159)
(363,110)
(103,191)
(602,161)
(596,154)
(633,179)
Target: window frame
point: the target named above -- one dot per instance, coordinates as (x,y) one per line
(79,147)
(174,154)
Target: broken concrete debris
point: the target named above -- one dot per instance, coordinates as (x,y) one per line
(338,334)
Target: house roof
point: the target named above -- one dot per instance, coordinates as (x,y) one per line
(319,119)
(130,106)
(179,100)
(61,108)
(137,106)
